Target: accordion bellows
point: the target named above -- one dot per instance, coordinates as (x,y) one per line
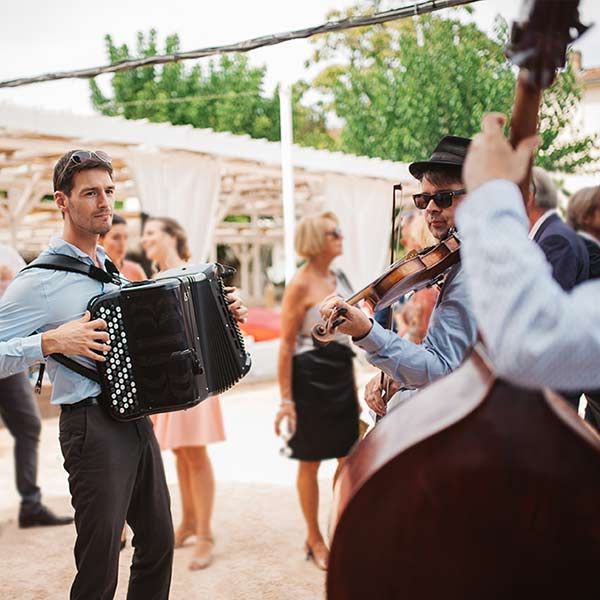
(173,343)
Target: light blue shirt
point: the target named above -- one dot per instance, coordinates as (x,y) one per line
(451,332)
(536,333)
(38,300)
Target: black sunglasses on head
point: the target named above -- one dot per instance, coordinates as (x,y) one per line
(441,199)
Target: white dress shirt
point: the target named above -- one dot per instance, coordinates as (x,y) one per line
(537,334)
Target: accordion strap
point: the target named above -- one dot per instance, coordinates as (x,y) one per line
(75,366)
(64,262)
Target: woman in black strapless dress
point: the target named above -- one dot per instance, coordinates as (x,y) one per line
(318,392)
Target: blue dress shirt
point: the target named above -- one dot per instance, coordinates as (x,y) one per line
(536,333)
(38,300)
(452,330)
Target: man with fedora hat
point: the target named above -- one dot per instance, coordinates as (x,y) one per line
(452,328)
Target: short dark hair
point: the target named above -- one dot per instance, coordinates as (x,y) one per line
(65,170)
(118,220)
(442,175)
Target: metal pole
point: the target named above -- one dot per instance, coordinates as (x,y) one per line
(287,179)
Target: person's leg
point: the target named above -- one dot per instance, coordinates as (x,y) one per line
(308,493)
(187,526)
(101,457)
(150,519)
(202,486)
(340,466)
(19,412)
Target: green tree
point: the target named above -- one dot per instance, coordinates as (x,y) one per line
(400,86)
(227,94)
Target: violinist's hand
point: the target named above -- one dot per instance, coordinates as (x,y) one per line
(491,156)
(374,394)
(355,322)
(236,305)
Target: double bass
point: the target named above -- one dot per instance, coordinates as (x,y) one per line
(475,488)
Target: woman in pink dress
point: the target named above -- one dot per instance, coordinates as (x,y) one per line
(188,432)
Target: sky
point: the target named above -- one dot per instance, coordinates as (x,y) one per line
(38,36)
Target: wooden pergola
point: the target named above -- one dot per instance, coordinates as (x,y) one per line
(31,140)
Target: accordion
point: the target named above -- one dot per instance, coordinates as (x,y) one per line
(173,343)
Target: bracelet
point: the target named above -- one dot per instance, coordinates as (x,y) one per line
(285,401)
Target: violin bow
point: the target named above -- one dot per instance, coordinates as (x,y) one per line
(384,384)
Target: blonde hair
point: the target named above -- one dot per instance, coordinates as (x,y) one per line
(174,229)
(582,205)
(420,232)
(310,234)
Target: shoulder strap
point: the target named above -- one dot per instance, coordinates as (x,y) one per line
(75,366)
(63,262)
(344,279)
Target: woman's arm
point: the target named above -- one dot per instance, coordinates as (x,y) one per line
(293,310)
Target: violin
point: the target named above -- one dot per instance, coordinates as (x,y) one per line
(475,488)
(413,272)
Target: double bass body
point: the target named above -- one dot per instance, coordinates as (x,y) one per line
(493,496)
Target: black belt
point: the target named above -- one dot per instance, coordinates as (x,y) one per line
(80,404)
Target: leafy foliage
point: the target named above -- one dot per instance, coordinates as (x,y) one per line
(227,95)
(401,86)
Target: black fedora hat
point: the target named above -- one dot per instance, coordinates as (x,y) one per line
(450,152)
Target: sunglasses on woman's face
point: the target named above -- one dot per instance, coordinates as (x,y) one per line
(441,199)
(336,233)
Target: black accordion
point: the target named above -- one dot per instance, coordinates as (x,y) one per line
(173,343)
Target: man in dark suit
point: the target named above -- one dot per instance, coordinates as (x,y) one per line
(583,215)
(564,249)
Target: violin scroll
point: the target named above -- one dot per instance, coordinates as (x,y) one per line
(324,331)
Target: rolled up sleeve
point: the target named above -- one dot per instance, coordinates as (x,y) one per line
(22,314)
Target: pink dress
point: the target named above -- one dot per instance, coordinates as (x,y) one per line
(196,426)
(133,271)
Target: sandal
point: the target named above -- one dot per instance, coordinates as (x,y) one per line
(203,559)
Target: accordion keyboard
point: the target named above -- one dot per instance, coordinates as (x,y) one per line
(118,369)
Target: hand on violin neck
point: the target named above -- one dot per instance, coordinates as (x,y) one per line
(344,317)
(490,155)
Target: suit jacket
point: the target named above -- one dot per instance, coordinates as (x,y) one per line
(565,251)
(593,249)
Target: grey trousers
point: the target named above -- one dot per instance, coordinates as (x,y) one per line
(20,414)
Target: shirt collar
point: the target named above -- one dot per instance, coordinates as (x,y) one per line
(588,236)
(59,246)
(541,221)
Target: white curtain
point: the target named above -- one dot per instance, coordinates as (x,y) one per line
(364,208)
(182,186)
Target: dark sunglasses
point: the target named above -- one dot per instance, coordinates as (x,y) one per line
(336,233)
(441,199)
(81,156)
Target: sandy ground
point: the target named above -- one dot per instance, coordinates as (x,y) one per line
(257,522)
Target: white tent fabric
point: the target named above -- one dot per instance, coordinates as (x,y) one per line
(364,208)
(184,187)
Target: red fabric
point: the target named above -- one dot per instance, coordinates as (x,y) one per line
(263,324)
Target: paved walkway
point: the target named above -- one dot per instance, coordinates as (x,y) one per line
(258,526)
